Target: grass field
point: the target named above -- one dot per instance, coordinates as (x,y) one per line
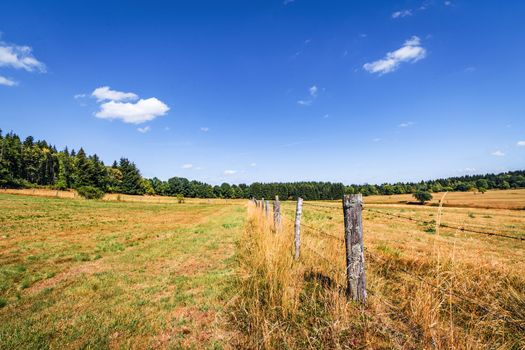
(429,286)
(148,272)
(94,274)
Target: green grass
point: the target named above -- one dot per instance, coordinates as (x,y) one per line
(93,274)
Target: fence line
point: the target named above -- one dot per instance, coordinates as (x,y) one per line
(444,225)
(320,233)
(460,228)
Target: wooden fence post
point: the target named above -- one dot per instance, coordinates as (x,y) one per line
(262,204)
(297,227)
(267,209)
(277,214)
(355,257)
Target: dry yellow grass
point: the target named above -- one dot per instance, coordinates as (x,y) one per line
(429,286)
(496,199)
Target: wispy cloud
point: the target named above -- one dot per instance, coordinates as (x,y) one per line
(253,164)
(114,107)
(498,153)
(187,166)
(377,139)
(406,124)
(313,92)
(19,57)
(304,102)
(7,82)
(205,129)
(230,172)
(411,52)
(520,144)
(144,129)
(105,93)
(402,13)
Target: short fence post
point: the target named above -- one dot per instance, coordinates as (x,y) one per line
(297,227)
(355,257)
(262,204)
(267,208)
(277,214)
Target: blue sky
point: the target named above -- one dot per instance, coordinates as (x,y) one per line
(244,91)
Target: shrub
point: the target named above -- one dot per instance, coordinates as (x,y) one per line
(180,198)
(89,192)
(423,196)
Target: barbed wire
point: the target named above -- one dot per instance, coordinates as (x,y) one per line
(460,228)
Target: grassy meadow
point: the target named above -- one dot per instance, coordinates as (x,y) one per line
(149,272)
(98,274)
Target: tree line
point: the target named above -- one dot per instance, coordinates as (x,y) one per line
(31,163)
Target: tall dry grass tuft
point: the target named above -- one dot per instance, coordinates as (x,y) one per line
(426,290)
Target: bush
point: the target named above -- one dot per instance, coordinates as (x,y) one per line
(89,192)
(423,196)
(180,198)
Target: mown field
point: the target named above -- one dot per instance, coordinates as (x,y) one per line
(148,272)
(95,274)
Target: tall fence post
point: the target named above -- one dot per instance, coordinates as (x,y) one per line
(355,257)
(277,214)
(297,227)
(267,208)
(262,204)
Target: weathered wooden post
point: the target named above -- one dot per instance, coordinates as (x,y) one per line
(355,257)
(267,208)
(297,227)
(262,204)
(277,214)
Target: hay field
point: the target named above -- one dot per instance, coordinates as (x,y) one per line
(98,274)
(148,272)
(429,286)
(496,199)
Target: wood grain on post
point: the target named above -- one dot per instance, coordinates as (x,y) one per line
(355,257)
(277,214)
(297,227)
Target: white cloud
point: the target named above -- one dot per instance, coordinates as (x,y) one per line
(79,96)
(411,51)
(406,124)
(144,129)
(304,102)
(105,93)
(253,164)
(498,153)
(230,172)
(134,113)
(7,82)
(187,166)
(520,144)
(205,129)
(19,57)
(402,13)
(313,91)
(137,112)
